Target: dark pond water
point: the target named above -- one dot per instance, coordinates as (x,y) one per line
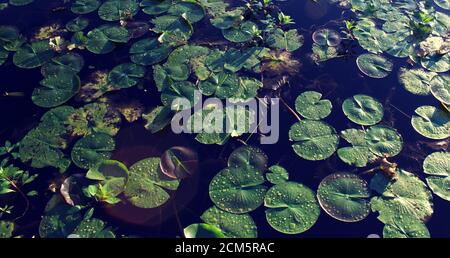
(337,79)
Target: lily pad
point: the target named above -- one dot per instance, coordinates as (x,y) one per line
(314,140)
(149,51)
(400,198)
(406,228)
(238,189)
(285,40)
(6,229)
(179,162)
(437,166)
(33,55)
(126,75)
(416,81)
(363,110)
(114,10)
(384,141)
(202,230)
(155,7)
(182,90)
(56,89)
(327,37)
(445,4)
(293,208)
(92,149)
(192,11)
(84,6)
(241,33)
(248,156)
(78,24)
(147,186)
(20,2)
(93,228)
(231,225)
(98,42)
(344,196)
(277,174)
(173,27)
(431,122)
(436,63)
(374,66)
(222,85)
(310,105)
(158,118)
(440,88)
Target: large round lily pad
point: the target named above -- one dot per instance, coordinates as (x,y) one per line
(344,196)
(238,189)
(193,11)
(314,140)
(232,225)
(293,208)
(431,122)
(277,174)
(155,7)
(202,230)
(146,187)
(374,66)
(310,105)
(285,40)
(98,42)
(92,149)
(437,166)
(406,228)
(363,110)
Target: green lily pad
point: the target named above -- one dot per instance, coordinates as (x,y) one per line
(369,36)
(231,225)
(400,198)
(59,220)
(84,6)
(363,110)
(93,228)
(228,19)
(146,187)
(406,228)
(285,40)
(238,189)
(440,88)
(202,230)
(155,7)
(92,149)
(10,38)
(344,196)
(416,81)
(323,53)
(149,51)
(126,75)
(374,66)
(3,56)
(222,85)
(293,208)
(192,11)
(173,27)
(437,166)
(359,155)
(241,33)
(179,162)
(114,10)
(111,174)
(248,156)
(277,174)
(175,91)
(310,105)
(78,24)
(314,140)
(384,141)
(56,89)
(98,42)
(158,118)
(115,33)
(327,37)
(33,55)
(436,63)
(431,122)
